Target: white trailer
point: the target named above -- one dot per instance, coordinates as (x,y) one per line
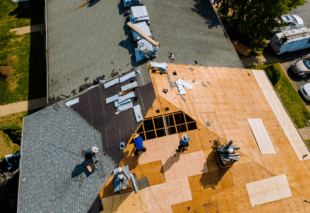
(290,41)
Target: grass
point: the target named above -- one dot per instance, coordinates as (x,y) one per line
(308,142)
(289,96)
(9,143)
(22,55)
(19,15)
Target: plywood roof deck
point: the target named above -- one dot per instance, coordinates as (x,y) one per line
(225,98)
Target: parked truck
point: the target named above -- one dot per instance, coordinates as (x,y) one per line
(290,41)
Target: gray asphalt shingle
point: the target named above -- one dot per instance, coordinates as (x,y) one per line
(93,40)
(53,174)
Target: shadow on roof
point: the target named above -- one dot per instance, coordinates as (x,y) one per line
(203,8)
(215,174)
(92,3)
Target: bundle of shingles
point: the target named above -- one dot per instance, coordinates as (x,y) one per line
(122,100)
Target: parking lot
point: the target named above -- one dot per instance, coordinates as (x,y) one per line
(286,60)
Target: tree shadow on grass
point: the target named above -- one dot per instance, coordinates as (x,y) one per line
(14,132)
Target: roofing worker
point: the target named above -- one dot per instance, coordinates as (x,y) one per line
(183,143)
(138,143)
(89,154)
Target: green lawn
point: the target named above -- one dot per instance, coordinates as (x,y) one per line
(18,15)
(22,62)
(9,136)
(289,96)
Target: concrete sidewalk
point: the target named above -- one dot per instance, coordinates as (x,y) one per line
(28,29)
(22,106)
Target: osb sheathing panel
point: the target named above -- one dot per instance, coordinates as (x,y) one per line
(160,105)
(153,199)
(230,97)
(268,190)
(286,123)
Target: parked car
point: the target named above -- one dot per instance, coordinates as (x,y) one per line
(302,67)
(290,22)
(305,91)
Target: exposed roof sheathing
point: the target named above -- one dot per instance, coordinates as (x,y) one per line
(268,190)
(262,138)
(282,116)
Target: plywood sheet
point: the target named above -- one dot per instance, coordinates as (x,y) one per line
(283,118)
(180,166)
(164,146)
(261,136)
(268,190)
(152,199)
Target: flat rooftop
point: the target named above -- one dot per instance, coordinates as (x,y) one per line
(87,40)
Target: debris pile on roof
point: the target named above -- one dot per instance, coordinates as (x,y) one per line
(122,100)
(227,152)
(144,28)
(139,20)
(159,66)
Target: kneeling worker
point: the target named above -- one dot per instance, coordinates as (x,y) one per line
(138,144)
(89,154)
(183,143)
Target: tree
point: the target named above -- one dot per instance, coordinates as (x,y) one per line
(256,17)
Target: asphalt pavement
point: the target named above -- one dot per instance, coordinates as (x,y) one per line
(286,60)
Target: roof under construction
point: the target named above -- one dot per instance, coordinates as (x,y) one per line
(86,40)
(218,107)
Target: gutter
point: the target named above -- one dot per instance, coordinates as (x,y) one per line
(20,166)
(226,35)
(46,50)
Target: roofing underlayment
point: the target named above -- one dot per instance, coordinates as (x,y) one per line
(88,39)
(220,103)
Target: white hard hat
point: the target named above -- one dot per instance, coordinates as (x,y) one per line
(230,150)
(184,137)
(121,176)
(119,170)
(94,149)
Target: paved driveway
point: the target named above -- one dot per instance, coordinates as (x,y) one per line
(304,13)
(285,61)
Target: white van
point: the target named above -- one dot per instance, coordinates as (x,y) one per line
(290,41)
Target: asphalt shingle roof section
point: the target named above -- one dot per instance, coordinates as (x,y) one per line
(53,174)
(92,39)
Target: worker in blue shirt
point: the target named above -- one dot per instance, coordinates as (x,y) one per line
(138,144)
(183,143)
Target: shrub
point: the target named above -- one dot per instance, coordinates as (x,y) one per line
(14,132)
(273,73)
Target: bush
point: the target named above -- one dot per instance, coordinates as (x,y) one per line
(273,73)
(14,132)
